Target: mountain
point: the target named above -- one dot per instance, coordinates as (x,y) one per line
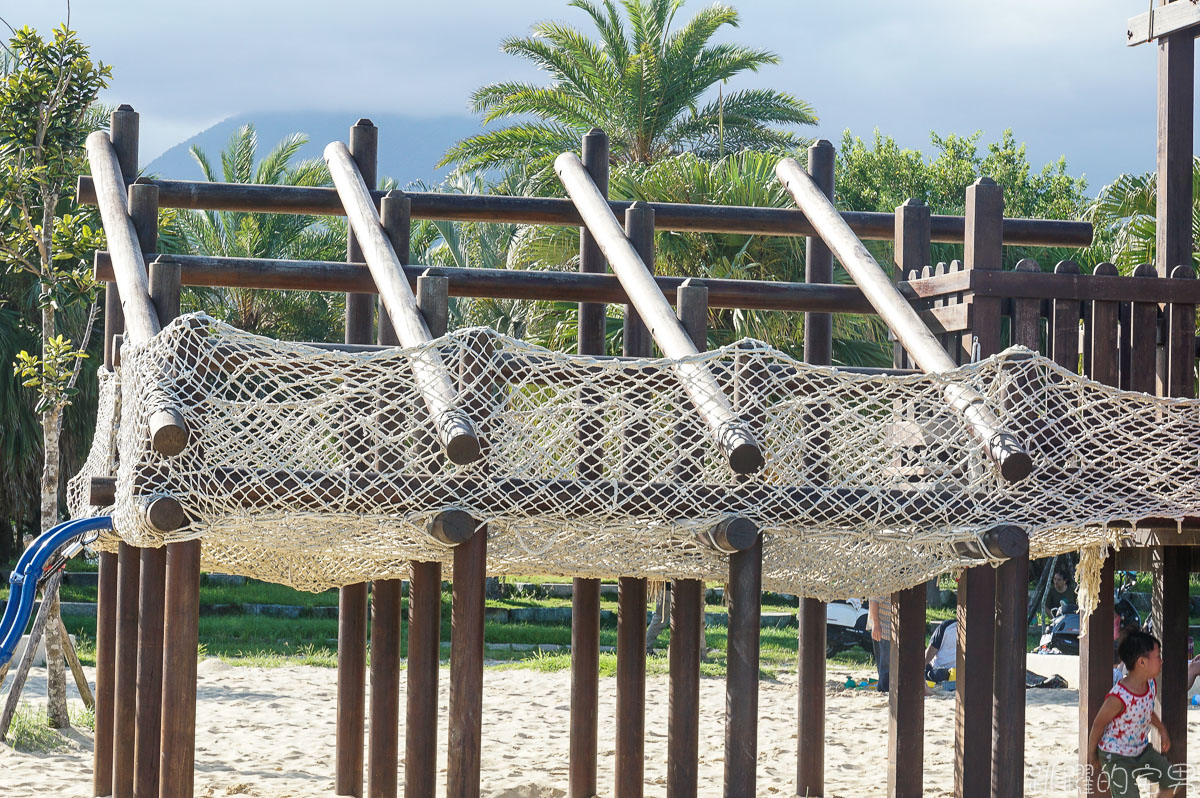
(408,146)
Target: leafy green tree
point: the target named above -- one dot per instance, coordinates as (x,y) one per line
(46,112)
(881,176)
(294,315)
(642,82)
(1125,218)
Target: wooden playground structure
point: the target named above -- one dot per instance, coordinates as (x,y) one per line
(1134,332)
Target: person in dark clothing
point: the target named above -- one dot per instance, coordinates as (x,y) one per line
(1061,591)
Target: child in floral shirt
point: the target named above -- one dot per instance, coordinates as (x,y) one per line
(1119,741)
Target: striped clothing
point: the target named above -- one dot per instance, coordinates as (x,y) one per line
(885,615)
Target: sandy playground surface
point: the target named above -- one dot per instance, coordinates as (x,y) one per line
(269,733)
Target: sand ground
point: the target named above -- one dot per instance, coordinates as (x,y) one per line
(269,733)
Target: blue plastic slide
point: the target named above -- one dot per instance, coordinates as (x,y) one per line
(35,564)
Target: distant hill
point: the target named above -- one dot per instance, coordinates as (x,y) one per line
(408,146)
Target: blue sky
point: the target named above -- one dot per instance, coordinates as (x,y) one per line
(1056,71)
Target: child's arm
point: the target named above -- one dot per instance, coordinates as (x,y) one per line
(1111,707)
(1164,739)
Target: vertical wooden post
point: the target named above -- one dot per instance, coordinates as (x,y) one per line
(164,291)
(1176,83)
(687,610)
(818,350)
(585,594)
(1096,640)
(123,130)
(1171,563)
(425,610)
(384,716)
(741,680)
(106,621)
(352,599)
(180,640)
(631,591)
(125,680)
(906,690)
(977,586)
(467,622)
(1008,742)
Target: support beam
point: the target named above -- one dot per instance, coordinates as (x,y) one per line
(585,593)
(906,694)
(125,679)
(1008,453)
(1170,19)
(731,434)
(454,429)
(180,640)
(739,220)
(1176,111)
(1008,708)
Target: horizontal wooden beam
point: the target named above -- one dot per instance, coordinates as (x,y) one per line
(1044,285)
(552,211)
(295,275)
(1162,21)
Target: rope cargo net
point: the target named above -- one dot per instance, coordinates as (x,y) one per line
(319,468)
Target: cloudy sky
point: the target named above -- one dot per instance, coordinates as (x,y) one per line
(1056,71)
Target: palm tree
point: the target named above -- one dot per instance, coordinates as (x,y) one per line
(1125,217)
(643,83)
(303,315)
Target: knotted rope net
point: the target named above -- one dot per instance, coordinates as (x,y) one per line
(319,468)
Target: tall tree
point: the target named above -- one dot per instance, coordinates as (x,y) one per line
(46,112)
(645,84)
(295,315)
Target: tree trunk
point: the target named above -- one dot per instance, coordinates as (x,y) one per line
(56,677)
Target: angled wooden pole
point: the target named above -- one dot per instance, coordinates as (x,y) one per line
(168,431)
(730,432)
(1007,452)
(429,372)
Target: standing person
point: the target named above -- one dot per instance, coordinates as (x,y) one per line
(1119,740)
(879,619)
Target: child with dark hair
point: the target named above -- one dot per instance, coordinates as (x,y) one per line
(1119,741)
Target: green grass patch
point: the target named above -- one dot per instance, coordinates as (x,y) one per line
(30,731)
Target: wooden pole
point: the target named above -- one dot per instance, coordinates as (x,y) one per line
(818,350)
(382,775)
(384,716)
(352,599)
(1008,709)
(77,672)
(1171,563)
(465,726)
(429,372)
(585,593)
(739,220)
(731,434)
(180,642)
(1176,111)
(425,584)
(165,286)
(976,644)
(360,307)
(123,131)
(631,687)
(741,681)
(125,679)
(631,591)
(1011,457)
(168,432)
(1096,641)
(586,288)
(687,611)
(906,688)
